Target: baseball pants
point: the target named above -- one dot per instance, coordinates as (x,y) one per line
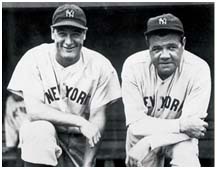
(40,144)
(183,154)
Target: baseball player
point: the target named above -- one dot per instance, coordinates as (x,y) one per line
(166,92)
(66,88)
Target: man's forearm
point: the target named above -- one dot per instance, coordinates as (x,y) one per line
(97,118)
(149,143)
(193,126)
(150,125)
(40,111)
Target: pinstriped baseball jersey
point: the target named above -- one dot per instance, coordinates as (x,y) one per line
(185,92)
(90,83)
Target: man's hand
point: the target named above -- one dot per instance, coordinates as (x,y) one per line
(138,153)
(92,132)
(194,127)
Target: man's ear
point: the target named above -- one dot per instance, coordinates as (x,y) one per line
(84,36)
(183,42)
(146,41)
(52,32)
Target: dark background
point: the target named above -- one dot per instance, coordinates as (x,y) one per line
(116,31)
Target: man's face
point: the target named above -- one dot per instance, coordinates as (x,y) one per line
(166,52)
(68,41)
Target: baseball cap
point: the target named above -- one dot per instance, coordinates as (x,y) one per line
(69,15)
(164,22)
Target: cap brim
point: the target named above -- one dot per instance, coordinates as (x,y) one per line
(163,28)
(69,23)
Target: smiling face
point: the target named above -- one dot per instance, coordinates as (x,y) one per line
(68,41)
(166,52)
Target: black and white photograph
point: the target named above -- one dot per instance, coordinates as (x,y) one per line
(108,84)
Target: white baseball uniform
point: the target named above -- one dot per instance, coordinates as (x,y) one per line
(15,116)
(145,95)
(88,84)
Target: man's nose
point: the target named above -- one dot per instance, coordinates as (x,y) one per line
(165,54)
(68,40)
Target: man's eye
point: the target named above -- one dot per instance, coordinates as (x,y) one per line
(155,49)
(172,47)
(77,33)
(61,34)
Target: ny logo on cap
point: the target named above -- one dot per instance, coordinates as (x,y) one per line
(162,21)
(70,13)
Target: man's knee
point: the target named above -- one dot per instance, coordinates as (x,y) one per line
(38,143)
(185,154)
(37,134)
(37,129)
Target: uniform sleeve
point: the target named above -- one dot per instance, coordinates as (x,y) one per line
(26,78)
(197,99)
(108,88)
